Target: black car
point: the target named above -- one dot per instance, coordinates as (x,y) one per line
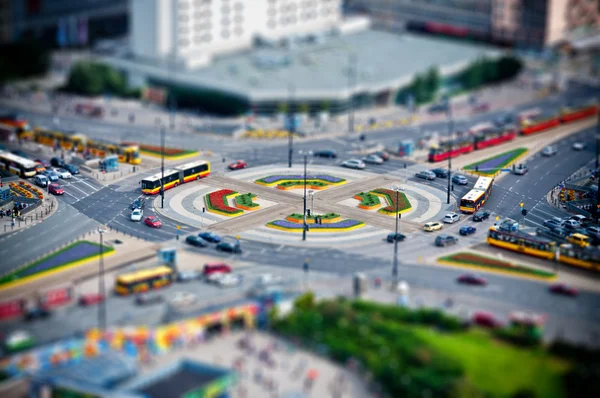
(210,237)
(139,203)
(196,241)
(326,153)
(481,215)
(229,247)
(395,236)
(443,240)
(71,168)
(442,173)
(57,162)
(36,313)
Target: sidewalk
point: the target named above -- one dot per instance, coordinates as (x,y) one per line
(47,209)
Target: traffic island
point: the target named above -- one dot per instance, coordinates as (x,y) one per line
(68,257)
(479,262)
(287,182)
(169,153)
(371,201)
(492,166)
(330,222)
(218,202)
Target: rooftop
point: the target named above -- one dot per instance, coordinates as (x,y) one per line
(321,68)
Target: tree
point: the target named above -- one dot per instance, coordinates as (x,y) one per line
(325,106)
(85,79)
(282,107)
(419,89)
(508,67)
(473,76)
(432,81)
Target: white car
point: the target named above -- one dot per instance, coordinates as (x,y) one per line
(372,159)
(354,164)
(579,146)
(268,279)
(62,173)
(230,280)
(137,215)
(451,218)
(183,299)
(549,151)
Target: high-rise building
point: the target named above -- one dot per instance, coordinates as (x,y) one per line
(5,21)
(196,30)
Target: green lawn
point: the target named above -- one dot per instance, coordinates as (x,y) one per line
(500,369)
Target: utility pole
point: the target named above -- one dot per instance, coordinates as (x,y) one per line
(304,213)
(450,128)
(162,167)
(395,264)
(291,124)
(101,288)
(597,170)
(352,80)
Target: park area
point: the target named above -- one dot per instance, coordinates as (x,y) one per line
(494,165)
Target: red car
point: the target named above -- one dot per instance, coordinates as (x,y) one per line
(561,288)
(485,319)
(90,299)
(153,221)
(238,165)
(55,189)
(216,268)
(471,279)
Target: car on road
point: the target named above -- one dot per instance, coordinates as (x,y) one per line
(62,173)
(139,203)
(437,108)
(467,230)
(445,240)
(153,221)
(136,215)
(451,218)
(572,224)
(268,280)
(41,180)
(593,230)
(183,299)
(36,312)
(148,299)
(52,176)
(460,179)
(520,170)
(583,220)
(382,154)
(392,236)
(196,241)
(39,168)
(485,319)
(71,168)
(441,173)
(580,240)
(44,163)
(354,164)
(425,175)
(91,299)
(561,288)
(326,153)
(237,165)
(470,279)
(433,226)
(229,280)
(549,151)
(215,268)
(554,222)
(482,107)
(481,215)
(55,189)
(188,276)
(56,162)
(579,146)
(372,159)
(228,247)
(210,237)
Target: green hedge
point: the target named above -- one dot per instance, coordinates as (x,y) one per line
(516,269)
(301,183)
(368,199)
(246,200)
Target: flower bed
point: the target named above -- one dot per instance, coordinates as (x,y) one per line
(325,218)
(312,184)
(172,153)
(493,165)
(339,226)
(370,200)
(245,202)
(319,181)
(71,255)
(492,264)
(216,202)
(20,190)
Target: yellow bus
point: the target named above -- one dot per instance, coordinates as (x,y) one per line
(173,177)
(143,280)
(74,142)
(588,257)
(129,154)
(47,137)
(477,196)
(522,243)
(101,149)
(22,167)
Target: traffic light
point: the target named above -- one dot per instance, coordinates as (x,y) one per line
(524,212)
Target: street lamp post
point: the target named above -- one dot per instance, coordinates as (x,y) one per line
(305,154)
(101,288)
(162,167)
(352,78)
(450,128)
(291,124)
(395,264)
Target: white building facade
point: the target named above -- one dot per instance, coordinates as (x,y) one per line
(194,31)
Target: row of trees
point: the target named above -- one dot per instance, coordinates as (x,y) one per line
(93,78)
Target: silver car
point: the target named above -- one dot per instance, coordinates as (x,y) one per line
(372,159)
(426,175)
(354,164)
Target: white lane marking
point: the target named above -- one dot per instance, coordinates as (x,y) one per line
(79,189)
(90,185)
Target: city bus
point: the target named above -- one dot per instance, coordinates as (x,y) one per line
(522,243)
(129,154)
(178,175)
(48,137)
(588,257)
(21,126)
(143,280)
(74,142)
(24,168)
(477,196)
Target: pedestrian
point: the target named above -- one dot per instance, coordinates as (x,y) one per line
(1,213)
(12,223)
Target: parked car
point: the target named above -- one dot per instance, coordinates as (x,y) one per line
(354,164)
(571,224)
(196,241)
(432,226)
(467,230)
(153,221)
(188,276)
(460,179)
(521,170)
(392,236)
(372,159)
(56,162)
(215,268)
(51,175)
(471,279)
(549,151)
(554,222)
(441,173)
(481,215)
(139,203)
(326,153)
(426,175)
(444,240)
(561,288)
(41,180)
(228,247)
(90,299)
(451,218)
(55,189)
(71,168)
(485,319)
(137,215)
(148,299)
(237,165)
(210,237)
(62,173)
(579,146)
(382,154)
